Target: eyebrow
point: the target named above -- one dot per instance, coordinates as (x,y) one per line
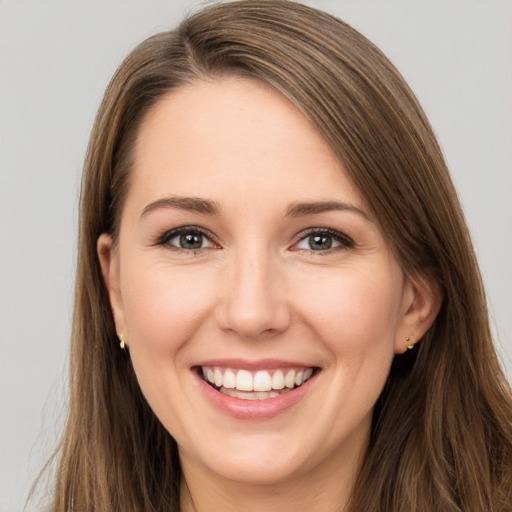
(313,208)
(191,204)
(207,207)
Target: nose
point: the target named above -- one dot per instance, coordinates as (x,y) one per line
(254,302)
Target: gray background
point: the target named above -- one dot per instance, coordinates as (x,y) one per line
(56,58)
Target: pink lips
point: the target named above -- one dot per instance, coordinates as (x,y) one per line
(242,364)
(252,409)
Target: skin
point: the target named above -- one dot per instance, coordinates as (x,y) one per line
(256,290)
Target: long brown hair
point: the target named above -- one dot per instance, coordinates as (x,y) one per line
(441,438)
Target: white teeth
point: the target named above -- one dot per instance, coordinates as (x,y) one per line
(229,379)
(278,379)
(218,377)
(289,380)
(255,395)
(244,381)
(264,382)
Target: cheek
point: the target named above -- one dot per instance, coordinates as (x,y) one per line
(355,310)
(164,306)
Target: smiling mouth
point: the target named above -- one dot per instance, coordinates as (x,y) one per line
(255,385)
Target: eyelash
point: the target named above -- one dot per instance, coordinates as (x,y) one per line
(186,230)
(343,240)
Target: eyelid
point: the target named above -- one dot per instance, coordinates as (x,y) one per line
(345,242)
(169,234)
(342,239)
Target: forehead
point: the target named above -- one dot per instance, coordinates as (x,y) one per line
(237,134)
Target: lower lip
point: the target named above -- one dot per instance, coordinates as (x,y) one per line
(255,409)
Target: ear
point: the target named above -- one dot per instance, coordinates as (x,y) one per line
(108,255)
(422,301)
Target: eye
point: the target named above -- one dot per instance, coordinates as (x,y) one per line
(186,238)
(324,240)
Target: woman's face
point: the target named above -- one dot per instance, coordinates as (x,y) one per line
(259,300)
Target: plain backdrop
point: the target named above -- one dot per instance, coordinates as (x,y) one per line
(56,57)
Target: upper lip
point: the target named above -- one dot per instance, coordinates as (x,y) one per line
(259,364)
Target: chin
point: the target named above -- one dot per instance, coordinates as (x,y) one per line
(259,472)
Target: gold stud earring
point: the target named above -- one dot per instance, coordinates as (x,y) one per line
(122,344)
(411,346)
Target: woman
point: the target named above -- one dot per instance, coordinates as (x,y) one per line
(268,226)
